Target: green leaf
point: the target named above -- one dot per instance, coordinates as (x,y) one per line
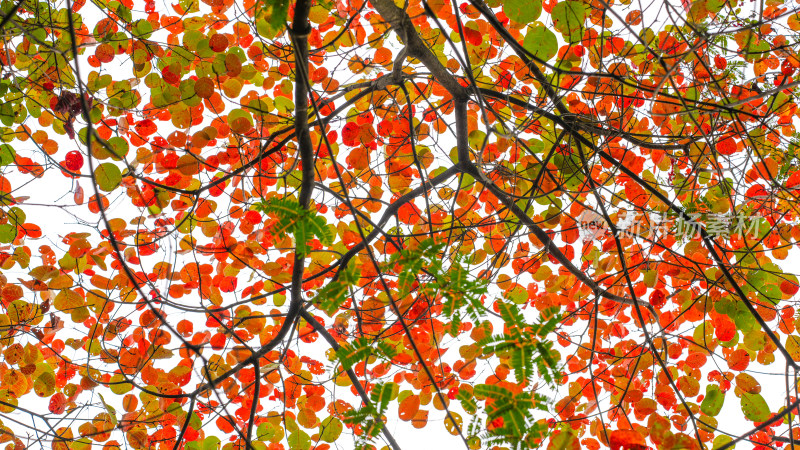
(111,411)
(330,429)
(142,29)
(518,295)
(515,409)
(17,216)
(211,443)
(522,11)
(386,350)
(382,394)
(541,42)
(108,176)
(81,444)
(721,440)
(44,386)
(712,403)
(766,284)
(568,18)
(331,296)
(350,354)
(299,440)
(491,391)
(190,6)
(7,114)
(511,315)
(292,218)
(266,431)
(277,11)
(793,347)
(754,407)
(318,227)
(118,147)
(7,155)
(467,402)
(8,233)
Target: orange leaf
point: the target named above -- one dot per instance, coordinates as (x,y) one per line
(626,440)
(204,87)
(420,419)
(409,407)
(58,403)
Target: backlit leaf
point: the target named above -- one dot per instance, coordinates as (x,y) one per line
(712,403)
(107,176)
(330,429)
(521,11)
(754,407)
(541,42)
(568,19)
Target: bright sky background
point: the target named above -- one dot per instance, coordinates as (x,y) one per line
(56,222)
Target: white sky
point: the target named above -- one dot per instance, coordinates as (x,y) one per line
(58,222)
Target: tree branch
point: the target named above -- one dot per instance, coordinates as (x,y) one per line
(416,47)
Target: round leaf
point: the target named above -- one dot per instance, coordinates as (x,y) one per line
(299,440)
(754,407)
(119,147)
(142,28)
(523,11)
(108,176)
(568,18)
(541,42)
(204,87)
(7,155)
(712,403)
(44,385)
(793,346)
(8,233)
(409,407)
(330,429)
(747,383)
(119,386)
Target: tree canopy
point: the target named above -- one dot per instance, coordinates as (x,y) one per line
(314,224)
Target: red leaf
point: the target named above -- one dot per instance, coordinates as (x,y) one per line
(626,440)
(218,43)
(218,341)
(58,403)
(726,146)
(757,191)
(73,161)
(794,180)
(472,36)
(409,407)
(789,288)
(725,329)
(739,360)
(146,127)
(658,298)
(350,133)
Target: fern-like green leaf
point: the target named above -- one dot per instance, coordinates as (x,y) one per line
(351,354)
(511,315)
(294,219)
(467,402)
(381,395)
(319,228)
(491,391)
(385,349)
